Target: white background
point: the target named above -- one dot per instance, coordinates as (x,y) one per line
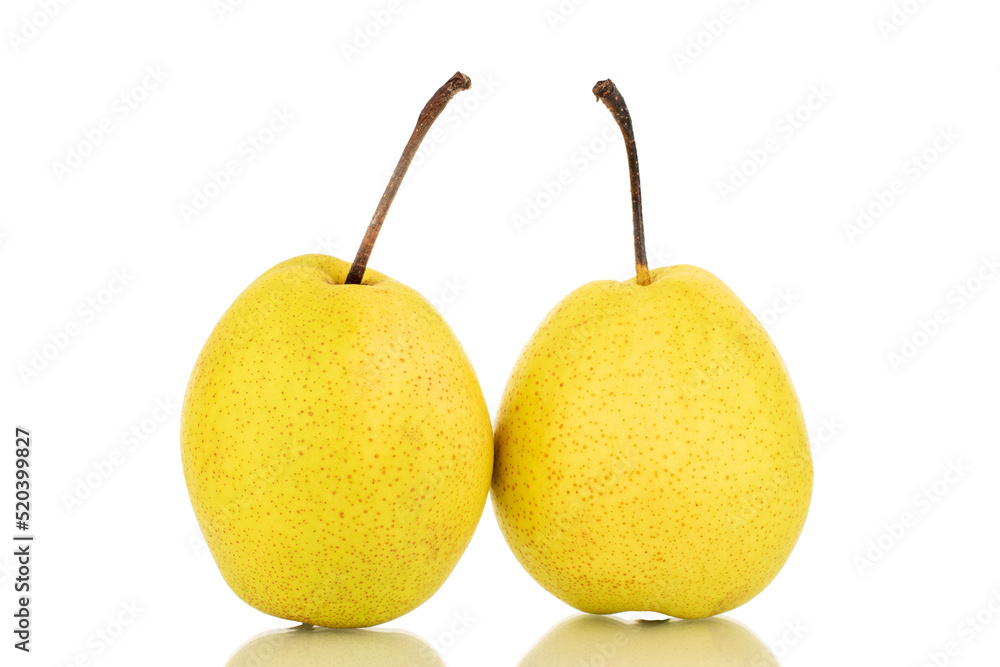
(837,305)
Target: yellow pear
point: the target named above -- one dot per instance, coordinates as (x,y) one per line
(650,450)
(335,441)
(602,640)
(306,646)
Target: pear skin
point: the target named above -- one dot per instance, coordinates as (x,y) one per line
(650,451)
(336,446)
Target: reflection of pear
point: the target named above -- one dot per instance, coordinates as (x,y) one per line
(602,640)
(305,646)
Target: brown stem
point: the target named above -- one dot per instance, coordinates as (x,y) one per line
(608,93)
(430,113)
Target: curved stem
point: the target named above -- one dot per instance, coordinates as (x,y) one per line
(606,92)
(430,113)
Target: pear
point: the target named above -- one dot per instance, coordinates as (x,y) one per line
(600,640)
(650,450)
(335,441)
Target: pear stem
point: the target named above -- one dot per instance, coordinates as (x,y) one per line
(431,111)
(607,92)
